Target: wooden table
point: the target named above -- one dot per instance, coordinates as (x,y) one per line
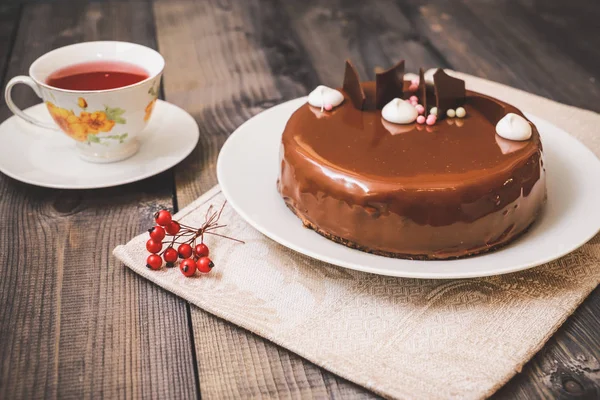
(75,323)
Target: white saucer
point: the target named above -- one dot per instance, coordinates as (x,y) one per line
(249,164)
(48,158)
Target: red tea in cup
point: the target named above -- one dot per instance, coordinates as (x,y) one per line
(97,75)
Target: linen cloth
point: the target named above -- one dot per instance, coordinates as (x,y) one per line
(401,338)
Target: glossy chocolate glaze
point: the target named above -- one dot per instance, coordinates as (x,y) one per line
(450,190)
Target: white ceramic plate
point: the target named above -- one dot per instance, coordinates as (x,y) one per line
(48,158)
(249,163)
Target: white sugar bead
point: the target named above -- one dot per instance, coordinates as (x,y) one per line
(461,112)
(451,113)
(433,111)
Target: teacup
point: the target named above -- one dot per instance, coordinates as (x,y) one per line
(106,124)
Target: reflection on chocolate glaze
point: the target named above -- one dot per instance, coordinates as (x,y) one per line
(396,129)
(318,113)
(509,146)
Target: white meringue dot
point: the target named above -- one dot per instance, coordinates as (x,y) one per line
(323,96)
(433,111)
(451,113)
(461,112)
(399,111)
(514,127)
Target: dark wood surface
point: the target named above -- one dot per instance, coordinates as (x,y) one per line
(75,323)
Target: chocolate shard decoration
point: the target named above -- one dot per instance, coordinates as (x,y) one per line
(449,92)
(422,90)
(352,86)
(389,84)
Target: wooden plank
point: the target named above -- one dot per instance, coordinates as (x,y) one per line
(496,40)
(225,66)
(568,25)
(9,16)
(75,323)
(568,75)
(373,35)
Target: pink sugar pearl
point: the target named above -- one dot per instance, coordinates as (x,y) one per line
(420,119)
(413,98)
(420,109)
(431,119)
(413,87)
(328,107)
(415,82)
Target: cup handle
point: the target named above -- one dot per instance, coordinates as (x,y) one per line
(16,110)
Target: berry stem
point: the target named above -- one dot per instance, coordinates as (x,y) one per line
(226,237)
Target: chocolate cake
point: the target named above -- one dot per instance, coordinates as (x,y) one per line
(445,186)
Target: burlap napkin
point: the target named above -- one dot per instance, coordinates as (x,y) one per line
(401,338)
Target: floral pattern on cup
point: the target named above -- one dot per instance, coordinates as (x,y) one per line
(149,109)
(153,91)
(85,126)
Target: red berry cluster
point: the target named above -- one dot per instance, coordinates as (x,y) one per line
(192,258)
